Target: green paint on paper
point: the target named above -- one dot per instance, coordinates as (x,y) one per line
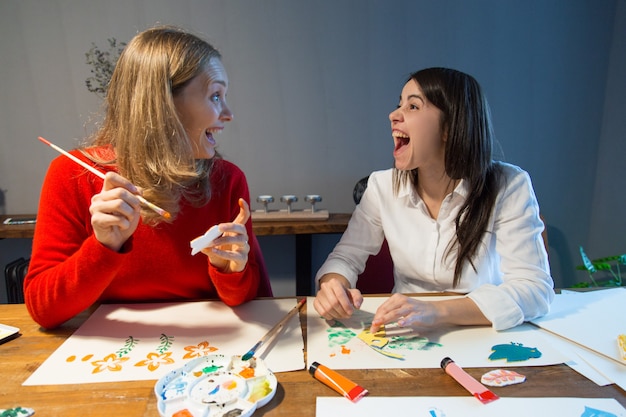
(339,335)
(17,412)
(166,343)
(129,345)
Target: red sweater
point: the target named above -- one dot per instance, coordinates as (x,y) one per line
(70,270)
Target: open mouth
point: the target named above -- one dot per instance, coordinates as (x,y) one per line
(400,140)
(209,135)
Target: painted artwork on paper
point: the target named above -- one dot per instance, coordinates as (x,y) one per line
(514,352)
(348,344)
(502,378)
(469,407)
(113,362)
(145,341)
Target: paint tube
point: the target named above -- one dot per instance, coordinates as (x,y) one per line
(339,383)
(468,382)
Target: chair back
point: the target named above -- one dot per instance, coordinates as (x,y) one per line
(377,278)
(14,274)
(265,286)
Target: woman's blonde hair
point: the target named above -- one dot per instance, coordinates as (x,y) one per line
(145,138)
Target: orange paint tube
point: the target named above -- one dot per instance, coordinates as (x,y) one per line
(339,383)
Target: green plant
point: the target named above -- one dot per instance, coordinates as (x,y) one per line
(602,264)
(102,63)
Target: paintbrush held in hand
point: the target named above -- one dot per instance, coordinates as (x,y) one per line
(88,167)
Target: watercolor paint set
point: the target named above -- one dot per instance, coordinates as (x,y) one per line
(215,385)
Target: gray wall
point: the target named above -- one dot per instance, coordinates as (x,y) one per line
(312,83)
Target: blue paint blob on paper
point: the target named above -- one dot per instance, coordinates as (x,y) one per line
(592,412)
(513,352)
(434,412)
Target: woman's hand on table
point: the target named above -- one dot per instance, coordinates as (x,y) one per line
(406,312)
(415,313)
(335,299)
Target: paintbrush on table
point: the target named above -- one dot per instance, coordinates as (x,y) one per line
(88,167)
(274,330)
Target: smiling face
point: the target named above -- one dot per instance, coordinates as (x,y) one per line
(417,131)
(201,107)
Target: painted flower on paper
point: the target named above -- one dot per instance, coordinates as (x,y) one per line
(156,359)
(161,356)
(201,349)
(111,362)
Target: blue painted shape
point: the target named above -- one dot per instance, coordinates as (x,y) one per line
(592,412)
(513,352)
(436,413)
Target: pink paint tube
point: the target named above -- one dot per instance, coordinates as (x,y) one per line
(468,382)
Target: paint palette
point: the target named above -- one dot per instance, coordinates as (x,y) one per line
(215,386)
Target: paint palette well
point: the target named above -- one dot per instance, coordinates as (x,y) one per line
(216,386)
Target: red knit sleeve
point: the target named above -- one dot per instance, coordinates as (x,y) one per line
(69,269)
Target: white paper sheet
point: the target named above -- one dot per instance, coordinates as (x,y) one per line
(609,369)
(8,332)
(469,346)
(145,341)
(468,407)
(576,362)
(592,319)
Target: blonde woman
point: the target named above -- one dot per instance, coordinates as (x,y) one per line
(95,242)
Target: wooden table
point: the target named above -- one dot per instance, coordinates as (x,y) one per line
(296,394)
(302,229)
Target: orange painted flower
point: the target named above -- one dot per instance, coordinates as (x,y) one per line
(154,360)
(110,362)
(202,349)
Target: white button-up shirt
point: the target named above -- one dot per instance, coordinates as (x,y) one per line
(512,281)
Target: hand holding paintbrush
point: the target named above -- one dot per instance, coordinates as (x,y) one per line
(115,210)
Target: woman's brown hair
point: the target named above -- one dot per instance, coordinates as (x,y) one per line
(466,119)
